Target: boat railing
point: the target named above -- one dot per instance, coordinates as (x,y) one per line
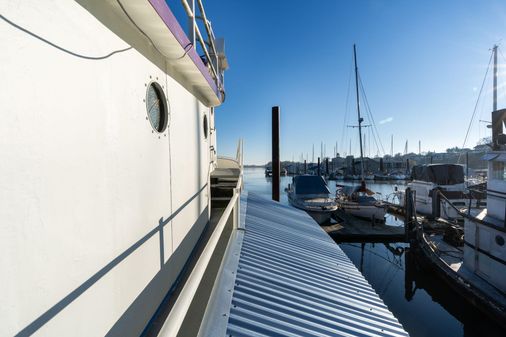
(195,11)
(232,213)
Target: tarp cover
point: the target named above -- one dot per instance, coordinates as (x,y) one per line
(307,184)
(441,174)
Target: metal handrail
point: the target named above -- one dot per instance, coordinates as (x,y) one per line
(197,36)
(178,312)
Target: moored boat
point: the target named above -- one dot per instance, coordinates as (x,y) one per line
(440,190)
(311,194)
(472,259)
(358,200)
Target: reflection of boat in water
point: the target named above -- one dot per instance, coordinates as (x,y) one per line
(419,275)
(311,194)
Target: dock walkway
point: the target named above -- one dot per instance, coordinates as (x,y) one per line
(283,275)
(353,229)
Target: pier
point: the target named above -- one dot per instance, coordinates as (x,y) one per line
(352,229)
(282,274)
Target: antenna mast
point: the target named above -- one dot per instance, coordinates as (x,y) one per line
(495,78)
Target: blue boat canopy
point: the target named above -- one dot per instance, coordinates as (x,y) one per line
(307,184)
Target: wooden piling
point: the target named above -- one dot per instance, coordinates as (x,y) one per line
(275,153)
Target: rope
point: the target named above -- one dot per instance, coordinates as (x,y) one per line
(475,107)
(368,110)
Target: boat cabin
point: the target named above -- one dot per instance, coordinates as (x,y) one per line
(309,185)
(439,174)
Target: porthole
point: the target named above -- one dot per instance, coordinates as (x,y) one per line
(499,240)
(206,127)
(156,107)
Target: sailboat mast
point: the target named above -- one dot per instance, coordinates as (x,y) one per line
(495,77)
(360,119)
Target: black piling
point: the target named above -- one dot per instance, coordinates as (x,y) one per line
(305,167)
(327,166)
(319,171)
(275,153)
(467,165)
(410,215)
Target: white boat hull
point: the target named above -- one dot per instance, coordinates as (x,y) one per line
(364,211)
(320,214)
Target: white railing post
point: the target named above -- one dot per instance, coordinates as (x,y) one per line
(238,207)
(193,25)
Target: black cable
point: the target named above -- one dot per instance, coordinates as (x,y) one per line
(475,107)
(186,49)
(368,109)
(59,47)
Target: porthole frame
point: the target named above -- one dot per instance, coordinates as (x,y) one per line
(165,114)
(205,126)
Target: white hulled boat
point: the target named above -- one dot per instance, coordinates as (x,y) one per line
(108,146)
(477,271)
(485,230)
(429,181)
(311,194)
(359,201)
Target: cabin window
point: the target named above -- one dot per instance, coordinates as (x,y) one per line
(498,170)
(205,126)
(156,106)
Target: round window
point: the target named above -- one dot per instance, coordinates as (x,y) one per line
(206,127)
(156,106)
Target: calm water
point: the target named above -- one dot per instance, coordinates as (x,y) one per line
(422,303)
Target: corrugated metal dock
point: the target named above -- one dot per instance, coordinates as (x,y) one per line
(284,276)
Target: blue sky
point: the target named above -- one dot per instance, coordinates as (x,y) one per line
(421,63)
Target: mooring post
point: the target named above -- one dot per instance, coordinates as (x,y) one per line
(275,153)
(327,166)
(407,211)
(305,167)
(467,165)
(436,203)
(319,172)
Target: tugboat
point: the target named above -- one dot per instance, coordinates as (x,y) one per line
(311,194)
(473,261)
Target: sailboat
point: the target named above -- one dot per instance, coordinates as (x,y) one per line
(359,200)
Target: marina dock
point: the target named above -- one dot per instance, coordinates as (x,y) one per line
(288,277)
(352,229)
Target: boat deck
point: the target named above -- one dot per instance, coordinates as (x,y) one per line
(283,275)
(453,257)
